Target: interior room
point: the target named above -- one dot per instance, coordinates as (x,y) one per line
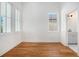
(39,29)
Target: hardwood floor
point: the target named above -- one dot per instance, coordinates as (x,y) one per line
(40,50)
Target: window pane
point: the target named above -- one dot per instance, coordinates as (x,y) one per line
(52,18)
(0,23)
(8,17)
(17,20)
(3,9)
(3,17)
(8,10)
(3,24)
(8,24)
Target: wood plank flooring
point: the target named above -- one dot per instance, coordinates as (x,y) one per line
(40,50)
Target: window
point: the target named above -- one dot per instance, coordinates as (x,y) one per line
(52,21)
(17,20)
(5,17)
(8,17)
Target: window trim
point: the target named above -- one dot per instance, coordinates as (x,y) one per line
(58,24)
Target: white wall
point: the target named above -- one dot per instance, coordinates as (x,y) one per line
(35,22)
(10,40)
